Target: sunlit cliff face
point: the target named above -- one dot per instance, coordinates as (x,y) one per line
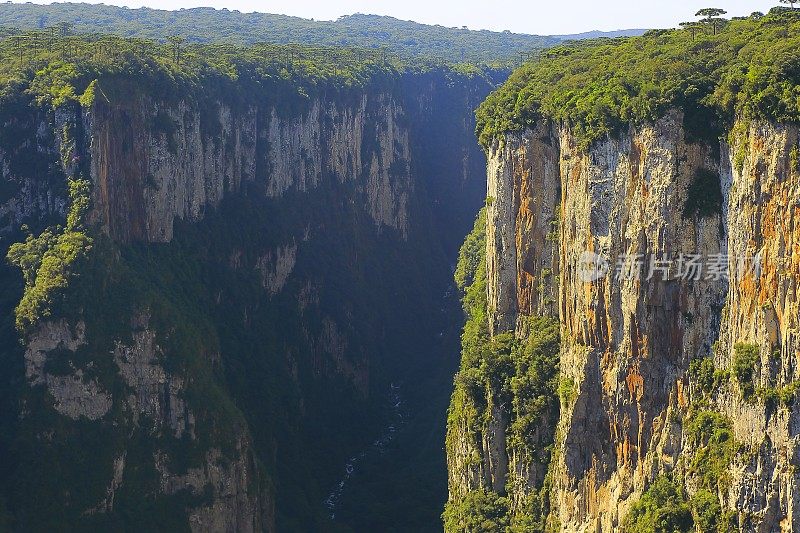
(629,402)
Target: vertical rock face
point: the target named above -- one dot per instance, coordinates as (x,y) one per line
(627,342)
(762,310)
(30,167)
(524,192)
(154,162)
(155,401)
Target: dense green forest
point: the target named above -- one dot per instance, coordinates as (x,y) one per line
(746,66)
(57,69)
(204,25)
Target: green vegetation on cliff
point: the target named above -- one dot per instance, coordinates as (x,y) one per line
(479,511)
(706,376)
(750,68)
(60,69)
(517,376)
(470,276)
(661,509)
(711,435)
(743,366)
(665,507)
(49,261)
(114,287)
(56,70)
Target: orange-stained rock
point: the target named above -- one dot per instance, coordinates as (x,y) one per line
(628,343)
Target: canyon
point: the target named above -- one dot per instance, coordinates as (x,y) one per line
(258,275)
(238,277)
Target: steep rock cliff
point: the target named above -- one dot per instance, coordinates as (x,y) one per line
(633,397)
(176,161)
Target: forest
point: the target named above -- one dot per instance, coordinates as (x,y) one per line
(747,67)
(206,25)
(56,68)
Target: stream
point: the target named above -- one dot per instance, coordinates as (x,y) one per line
(396,420)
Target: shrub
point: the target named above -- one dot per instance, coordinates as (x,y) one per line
(472,254)
(705,375)
(711,434)
(707,511)
(480,511)
(661,509)
(773,396)
(535,382)
(566,390)
(745,357)
(788,393)
(701,371)
(48,261)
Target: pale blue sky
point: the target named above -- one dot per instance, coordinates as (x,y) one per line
(522,16)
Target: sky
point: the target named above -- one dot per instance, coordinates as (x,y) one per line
(549,17)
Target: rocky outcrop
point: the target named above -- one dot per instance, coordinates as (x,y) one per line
(31,166)
(155,400)
(762,309)
(233,506)
(74,395)
(153,393)
(624,200)
(628,207)
(276,270)
(524,195)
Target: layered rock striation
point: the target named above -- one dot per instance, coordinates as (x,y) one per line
(632,392)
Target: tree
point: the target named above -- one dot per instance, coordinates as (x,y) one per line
(65,29)
(712,16)
(711,12)
(791,2)
(176,41)
(692,27)
(479,511)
